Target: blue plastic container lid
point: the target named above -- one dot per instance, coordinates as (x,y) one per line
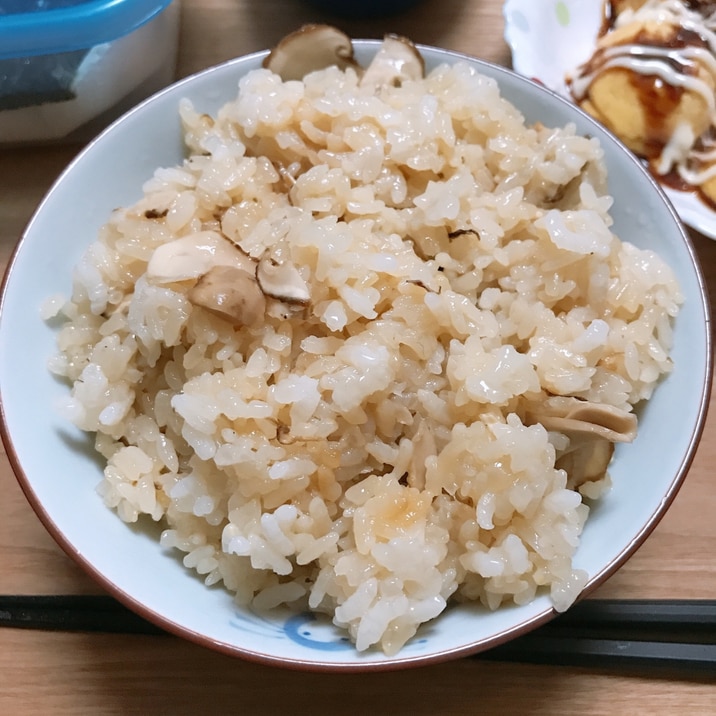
(43,27)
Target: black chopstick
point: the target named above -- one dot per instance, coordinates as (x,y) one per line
(672,620)
(662,614)
(90,612)
(668,657)
(676,636)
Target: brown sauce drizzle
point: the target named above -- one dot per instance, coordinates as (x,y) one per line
(658,100)
(673,180)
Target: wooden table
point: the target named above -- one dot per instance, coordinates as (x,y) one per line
(60,673)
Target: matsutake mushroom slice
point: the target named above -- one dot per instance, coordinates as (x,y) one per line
(586,460)
(193,255)
(310,48)
(396,61)
(280,279)
(569,414)
(230,293)
(591,428)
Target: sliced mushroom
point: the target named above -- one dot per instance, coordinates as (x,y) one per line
(192,256)
(592,429)
(232,294)
(396,61)
(585,460)
(568,414)
(281,280)
(310,48)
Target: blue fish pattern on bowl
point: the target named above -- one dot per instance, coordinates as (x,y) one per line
(306,629)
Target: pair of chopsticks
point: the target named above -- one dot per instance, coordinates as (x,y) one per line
(675,636)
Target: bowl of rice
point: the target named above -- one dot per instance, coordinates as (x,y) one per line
(362,369)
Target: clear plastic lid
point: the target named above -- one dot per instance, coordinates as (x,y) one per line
(41,27)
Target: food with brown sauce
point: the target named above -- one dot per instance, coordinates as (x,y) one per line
(651,81)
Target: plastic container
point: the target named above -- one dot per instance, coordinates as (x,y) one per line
(69,67)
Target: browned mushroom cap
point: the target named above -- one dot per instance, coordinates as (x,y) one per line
(396,61)
(232,294)
(310,48)
(572,415)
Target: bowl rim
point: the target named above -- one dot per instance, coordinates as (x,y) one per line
(398,661)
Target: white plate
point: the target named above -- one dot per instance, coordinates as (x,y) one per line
(550,38)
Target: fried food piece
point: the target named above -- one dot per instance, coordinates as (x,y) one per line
(635,88)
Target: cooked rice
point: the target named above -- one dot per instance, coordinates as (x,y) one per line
(367,455)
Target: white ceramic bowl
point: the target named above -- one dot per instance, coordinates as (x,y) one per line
(58,472)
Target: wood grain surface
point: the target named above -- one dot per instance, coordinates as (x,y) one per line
(59,673)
